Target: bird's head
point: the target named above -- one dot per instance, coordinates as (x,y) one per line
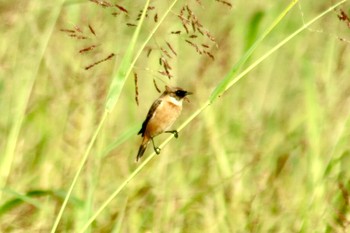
(176,92)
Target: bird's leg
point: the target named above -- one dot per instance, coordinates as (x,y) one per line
(156,149)
(176,134)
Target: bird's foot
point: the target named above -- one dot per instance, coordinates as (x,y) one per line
(157,150)
(176,134)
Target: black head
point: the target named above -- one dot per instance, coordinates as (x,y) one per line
(177,92)
(181,93)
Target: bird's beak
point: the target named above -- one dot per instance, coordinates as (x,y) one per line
(185,98)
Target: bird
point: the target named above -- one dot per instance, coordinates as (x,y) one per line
(161,116)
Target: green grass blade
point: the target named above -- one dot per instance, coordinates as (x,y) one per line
(125,66)
(253,29)
(28,198)
(225,83)
(19,199)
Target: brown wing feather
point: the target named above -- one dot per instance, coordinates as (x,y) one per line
(149,116)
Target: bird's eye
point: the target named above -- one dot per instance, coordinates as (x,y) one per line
(180,93)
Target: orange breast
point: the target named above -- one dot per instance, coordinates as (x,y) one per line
(163,118)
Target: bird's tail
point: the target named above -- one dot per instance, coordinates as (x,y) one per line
(142,148)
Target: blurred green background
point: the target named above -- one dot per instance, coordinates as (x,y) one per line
(271,155)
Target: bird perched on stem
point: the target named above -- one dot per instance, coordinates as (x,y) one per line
(161,116)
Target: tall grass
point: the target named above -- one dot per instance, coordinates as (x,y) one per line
(267,153)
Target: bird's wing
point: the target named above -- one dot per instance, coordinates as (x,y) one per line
(149,116)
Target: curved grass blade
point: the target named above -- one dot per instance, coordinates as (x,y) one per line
(28,198)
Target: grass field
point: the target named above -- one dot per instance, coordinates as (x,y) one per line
(265,143)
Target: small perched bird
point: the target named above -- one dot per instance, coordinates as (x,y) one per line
(161,116)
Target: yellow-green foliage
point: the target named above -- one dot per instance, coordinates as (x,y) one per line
(265,142)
